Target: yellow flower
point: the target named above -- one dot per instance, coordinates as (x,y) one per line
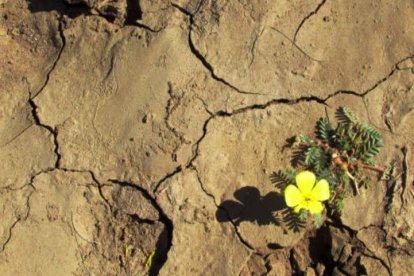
(307,195)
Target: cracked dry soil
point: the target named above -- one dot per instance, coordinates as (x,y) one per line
(154,125)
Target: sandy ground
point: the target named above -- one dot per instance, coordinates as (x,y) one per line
(137,137)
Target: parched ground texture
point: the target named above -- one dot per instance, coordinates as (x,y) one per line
(137,137)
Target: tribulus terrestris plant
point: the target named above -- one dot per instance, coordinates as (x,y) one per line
(334,163)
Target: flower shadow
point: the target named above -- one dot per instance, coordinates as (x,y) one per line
(249,205)
(78,8)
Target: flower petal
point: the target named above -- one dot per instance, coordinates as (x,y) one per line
(305,181)
(302,205)
(321,191)
(315,207)
(293,196)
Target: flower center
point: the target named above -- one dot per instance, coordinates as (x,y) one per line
(307,196)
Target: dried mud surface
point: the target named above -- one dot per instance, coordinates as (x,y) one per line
(137,131)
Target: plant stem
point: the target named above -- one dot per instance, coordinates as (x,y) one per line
(370,167)
(333,151)
(353,181)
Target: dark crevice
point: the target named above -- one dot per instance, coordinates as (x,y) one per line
(404,176)
(32,104)
(172,104)
(110,13)
(394,69)
(371,253)
(9,234)
(390,194)
(55,62)
(205,105)
(236,229)
(100,189)
(337,224)
(137,219)
(184,11)
(274,246)
(167,176)
(312,13)
(95,180)
(133,12)
(320,250)
(204,189)
(329,249)
(270,103)
(145,27)
(268,266)
(19,219)
(344,92)
(160,255)
(373,256)
(134,15)
(210,68)
(359,245)
(198,142)
(53,131)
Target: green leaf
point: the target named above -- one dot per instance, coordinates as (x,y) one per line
(324,130)
(304,139)
(329,176)
(282,178)
(366,182)
(312,156)
(368,142)
(318,220)
(342,177)
(338,204)
(292,220)
(303,215)
(316,159)
(298,156)
(342,138)
(369,161)
(345,116)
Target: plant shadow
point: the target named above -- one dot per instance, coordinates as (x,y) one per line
(132,14)
(71,10)
(249,205)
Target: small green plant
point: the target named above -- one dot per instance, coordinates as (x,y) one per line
(335,161)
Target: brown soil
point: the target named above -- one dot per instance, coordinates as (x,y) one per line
(132,129)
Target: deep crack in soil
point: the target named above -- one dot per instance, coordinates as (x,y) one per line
(160,255)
